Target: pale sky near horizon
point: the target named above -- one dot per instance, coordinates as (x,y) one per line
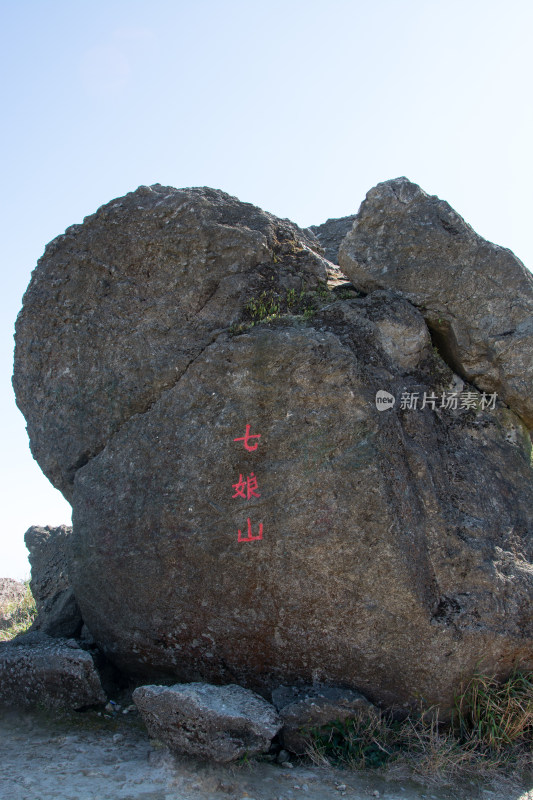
(297,107)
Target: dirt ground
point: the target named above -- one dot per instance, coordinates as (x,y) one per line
(87,757)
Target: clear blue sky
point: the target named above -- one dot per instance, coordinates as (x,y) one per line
(298,107)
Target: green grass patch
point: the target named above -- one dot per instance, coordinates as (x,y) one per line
(496,713)
(20,615)
(272,305)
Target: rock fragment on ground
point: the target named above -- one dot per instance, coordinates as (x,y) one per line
(303,709)
(38,670)
(217,723)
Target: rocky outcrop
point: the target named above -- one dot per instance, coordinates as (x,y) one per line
(120,306)
(331,234)
(245,510)
(476,297)
(304,709)
(55,673)
(217,723)
(58,613)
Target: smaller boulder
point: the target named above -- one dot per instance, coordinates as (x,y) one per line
(58,613)
(476,297)
(36,669)
(380,325)
(216,723)
(302,709)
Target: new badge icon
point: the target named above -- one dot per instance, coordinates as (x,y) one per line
(384,400)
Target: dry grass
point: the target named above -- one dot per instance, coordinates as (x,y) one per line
(491,737)
(20,614)
(497,713)
(367,740)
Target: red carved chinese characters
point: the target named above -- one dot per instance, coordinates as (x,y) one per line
(247,488)
(250,537)
(247,436)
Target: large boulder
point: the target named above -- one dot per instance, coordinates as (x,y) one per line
(120,306)
(263,520)
(36,669)
(384,534)
(476,297)
(58,613)
(217,723)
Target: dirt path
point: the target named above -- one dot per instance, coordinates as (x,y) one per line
(86,757)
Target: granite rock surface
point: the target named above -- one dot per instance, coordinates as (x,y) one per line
(245,508)
(216,723)
(476,297)
(58,613)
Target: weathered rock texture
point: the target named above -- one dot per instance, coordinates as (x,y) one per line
(218,723)
(58,613)
(304,709)
(331,234)
(476,297)
(120,306)
(381,531)
(38,670)
(396,546)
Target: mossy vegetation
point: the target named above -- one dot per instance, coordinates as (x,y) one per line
(273,304)
(346,294)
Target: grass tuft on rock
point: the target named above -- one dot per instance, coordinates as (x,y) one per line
(273,305)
